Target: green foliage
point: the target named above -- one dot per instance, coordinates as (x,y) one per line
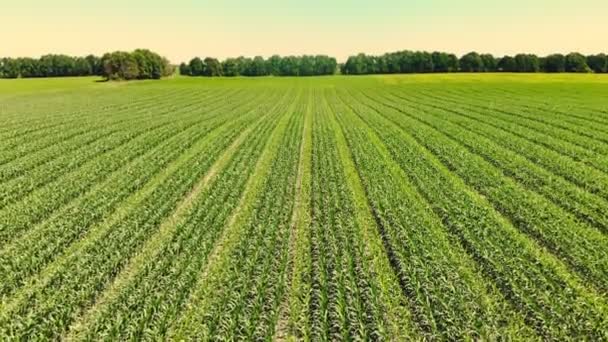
(434,207)
(598,63)
(258,66)
(575,62)
(471,62)
(526,63)
(139,64)
(507,64)
(212,67)
(490,63)
(50,66)
(555,63)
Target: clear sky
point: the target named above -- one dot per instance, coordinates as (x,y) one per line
(181,29)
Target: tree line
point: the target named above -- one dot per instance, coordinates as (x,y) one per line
(145,64)
(50,66)
(427,62)
(258,66)
(139,64)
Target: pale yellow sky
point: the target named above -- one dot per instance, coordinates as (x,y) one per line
(186,28)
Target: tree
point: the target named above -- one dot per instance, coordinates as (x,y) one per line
(82,67)
(507,64)
(526,63)
(230,67)
(598,63)
(471,62)
(184,69)
(555,63)
(258,66)
(325,65)
(422,62)
(575,62)
(440,61)
(139,64)
(10,68)
(358,65)
(167,68)
(273,65)
(116,65)
(149,64)
(28,67)
(94,64)
(306,66)
(490,64)
(213,67)
(289,66)
(392,62)
(196,67)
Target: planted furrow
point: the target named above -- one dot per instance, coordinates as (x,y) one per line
(95,263)
(293,319)
(42,202)
(561,141)
(383,282)
(589,119)
(549,297)
(50,142)
(590,179)
(343,300)
(138,295)
(248,306)
(35,136)
(535,120)
(17,188)
(388,207)
(27,255)
(104,105)
(584,205)
(197,319)
(443,288)
(583,248)
(534,101)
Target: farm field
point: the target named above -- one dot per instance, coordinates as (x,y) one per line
(420,207)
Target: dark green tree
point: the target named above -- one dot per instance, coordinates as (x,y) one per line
(490,64)
(575,62)
(598,63)
(213,68)
(555,63)
(526,63)
(230,67)
(273,65)
(196,67)
(507,64)
(184,69)
(471,62)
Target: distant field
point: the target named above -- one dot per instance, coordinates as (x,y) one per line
(439,207)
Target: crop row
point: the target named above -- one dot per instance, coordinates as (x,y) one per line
(65,162)
(442,288)
(562,141)
(575,112)
(31,114)
(582,247)
(18,139)
(174,256)
(552,300)
(51,140)
(470,133)
(68,285)
(28,254)
(43,201)
(239,294)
